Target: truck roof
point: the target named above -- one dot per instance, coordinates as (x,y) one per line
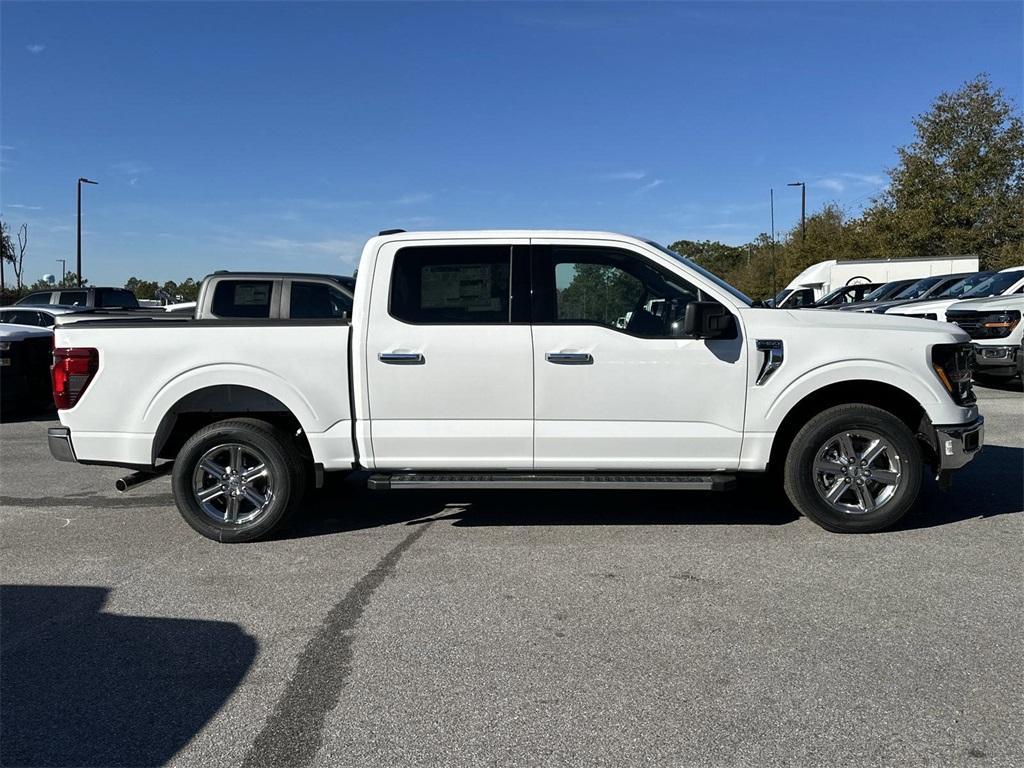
(495,234)
(248,273)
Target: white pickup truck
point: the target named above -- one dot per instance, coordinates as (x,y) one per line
(500,359)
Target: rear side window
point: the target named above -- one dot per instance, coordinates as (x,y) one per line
(242,298)
(118,297)
(73,298)
(316,300)
(39,297)
(463,284)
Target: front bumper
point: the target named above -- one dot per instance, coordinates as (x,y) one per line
(996,360)
(957,444)
(59,439)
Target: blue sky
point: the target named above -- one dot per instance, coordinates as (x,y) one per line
(279,136)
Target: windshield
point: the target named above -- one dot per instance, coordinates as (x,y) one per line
(994,285)
(917,288)
(968,283)
(881,291)
(832,295)
(735,293)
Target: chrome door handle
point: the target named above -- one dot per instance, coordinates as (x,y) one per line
(569,358)
(401,358)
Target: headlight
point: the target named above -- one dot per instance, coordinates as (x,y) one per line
(1001,325)
(952,366)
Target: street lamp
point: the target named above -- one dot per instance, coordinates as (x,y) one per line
(78,269)
(803,207)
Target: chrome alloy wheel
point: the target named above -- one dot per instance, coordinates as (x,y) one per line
(857,471)
(233,484)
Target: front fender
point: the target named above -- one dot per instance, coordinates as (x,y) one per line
(767,413)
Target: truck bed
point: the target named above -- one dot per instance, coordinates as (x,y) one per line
(147,367)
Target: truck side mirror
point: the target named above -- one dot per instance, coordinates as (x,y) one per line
(708,320)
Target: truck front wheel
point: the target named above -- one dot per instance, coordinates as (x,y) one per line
(237,480)
(853,469)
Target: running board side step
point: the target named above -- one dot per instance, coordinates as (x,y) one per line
(553,480)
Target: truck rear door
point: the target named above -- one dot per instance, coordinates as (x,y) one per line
(449,356)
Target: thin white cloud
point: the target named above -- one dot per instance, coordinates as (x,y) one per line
(412,199)
(625,176)
(35,48)
(26,207)
(833,185)
(874,179)
(654,183)
(346,250)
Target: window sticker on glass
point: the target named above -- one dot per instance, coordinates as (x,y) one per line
(466,286)
(249,294)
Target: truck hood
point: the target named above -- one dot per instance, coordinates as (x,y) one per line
(872,322)
(14,332)
(935,307)
(1015,301)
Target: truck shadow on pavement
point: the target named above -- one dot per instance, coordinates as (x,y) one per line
(81,687)
(992,485)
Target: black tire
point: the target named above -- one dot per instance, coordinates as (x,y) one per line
(260,442)
(802,481)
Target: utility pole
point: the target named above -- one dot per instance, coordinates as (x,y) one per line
(803,207)
(771,198)
(78,266)
(63,272)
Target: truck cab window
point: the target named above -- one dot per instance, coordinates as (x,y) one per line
(242,298)
(73,298)
(452,284)
(616,289)
(318,300)
(117,297)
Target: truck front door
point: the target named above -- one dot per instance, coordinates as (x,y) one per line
(615,385)
(449,356)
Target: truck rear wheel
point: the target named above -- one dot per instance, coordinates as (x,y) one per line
(237,480)
(853,469)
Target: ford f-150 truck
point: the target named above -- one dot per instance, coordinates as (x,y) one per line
(516,359)
(994,325)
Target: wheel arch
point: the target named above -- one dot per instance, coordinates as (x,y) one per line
(880,394)
(206,405)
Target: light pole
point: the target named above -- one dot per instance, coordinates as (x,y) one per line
(803,207)
(78,265)
(63,271)
(771,198)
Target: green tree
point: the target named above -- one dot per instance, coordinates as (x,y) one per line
(143,289)
(70,280)
(595,292)
(959,186)
(720,258)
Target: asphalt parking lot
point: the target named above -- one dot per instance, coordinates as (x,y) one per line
(570,628)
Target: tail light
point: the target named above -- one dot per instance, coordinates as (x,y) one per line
(73,369)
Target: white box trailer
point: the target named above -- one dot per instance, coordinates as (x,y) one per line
(825,276)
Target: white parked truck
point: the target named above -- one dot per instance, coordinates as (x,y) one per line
(820,279)
(1006,282)
(995,327)
(498,359)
